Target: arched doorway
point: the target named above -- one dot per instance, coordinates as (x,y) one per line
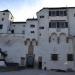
(40,62)
(30,57)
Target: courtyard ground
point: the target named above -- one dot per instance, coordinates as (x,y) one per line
(36,72)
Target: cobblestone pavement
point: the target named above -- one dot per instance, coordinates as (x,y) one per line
(36,72)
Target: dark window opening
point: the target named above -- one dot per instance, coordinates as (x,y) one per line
(32,26)
(12,31)
(67,40)
(53,13)
(32,31)
(54,57)
(49,39)
(41,27)
(61,13)
(1,26)
(58,25)
(2,19)
(3,13)
(49,13)
(49,24)
(66,24)
(57,13)
(53,24)
(41,16)
(70,57)
(65,13)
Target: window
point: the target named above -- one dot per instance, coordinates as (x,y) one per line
(1,26)
(12,31)
(41,27)
(66,24)
(3,13)
(41,16)
(62,24)
(32,26)
(57,13)
(49,13)
(32,31)
(67,39)
(65,13)
(58,25)
(70,57)
(49,39)
(53,24)
(49,24)
(2,19)
(23,32)
(54,57)
(53,13)
(61,13)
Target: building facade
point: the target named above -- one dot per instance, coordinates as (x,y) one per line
(46,41)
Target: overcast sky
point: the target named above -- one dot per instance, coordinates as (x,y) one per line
(23,9)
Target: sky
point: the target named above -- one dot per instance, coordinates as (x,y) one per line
(23,9)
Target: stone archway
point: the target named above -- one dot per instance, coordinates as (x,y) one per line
(30,57)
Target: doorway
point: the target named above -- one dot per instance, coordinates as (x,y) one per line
(40,62)
(30,61)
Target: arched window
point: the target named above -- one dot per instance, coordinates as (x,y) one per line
(53,37)
(62,37)
(35,41)
(26,41)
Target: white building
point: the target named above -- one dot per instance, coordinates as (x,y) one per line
(47,41)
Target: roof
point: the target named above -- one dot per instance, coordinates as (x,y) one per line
(18,22)
(5,10)
(56,8)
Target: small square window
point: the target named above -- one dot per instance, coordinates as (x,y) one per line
(54,57)
(2,19)
(3,13)
(41,27)
(41,16)
(32,26)
(12,31)
(32,31)
(70,57)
